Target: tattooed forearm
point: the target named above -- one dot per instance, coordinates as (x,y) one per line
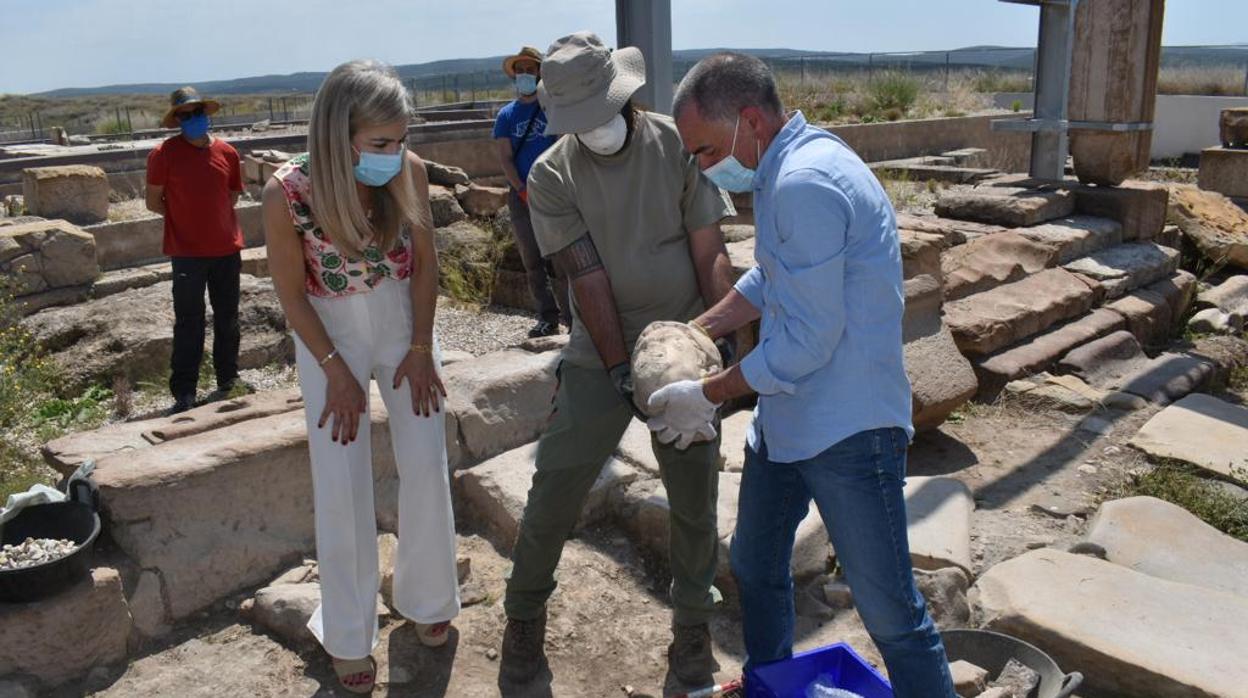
(578,259)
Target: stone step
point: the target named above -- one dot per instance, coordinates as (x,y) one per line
(1202,430)
(1164,540)
(645,514)
(1041,352)
(993,260)
(1139,206)
(985,322)
(954,231)
(1117,362)
(111,282)
(941,379)
(921,253)
(256,262)
(1007,206)
(1129,633)
(1124,268)
(496,491)
(1075,236)
(930,168)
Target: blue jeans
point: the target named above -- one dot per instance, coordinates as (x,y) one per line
(856,484)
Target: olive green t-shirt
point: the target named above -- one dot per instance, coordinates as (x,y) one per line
(638,206)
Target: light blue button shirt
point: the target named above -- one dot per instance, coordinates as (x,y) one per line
(828,283)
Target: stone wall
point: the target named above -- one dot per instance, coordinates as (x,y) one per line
(77,193)
(132,243)
(1008,151)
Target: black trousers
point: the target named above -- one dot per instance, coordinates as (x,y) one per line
(191,276)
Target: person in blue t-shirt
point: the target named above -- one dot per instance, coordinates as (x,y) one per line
(520,134)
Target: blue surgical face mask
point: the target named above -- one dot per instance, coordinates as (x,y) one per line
(195,127)
(729,173)
(375,169)
(526,84)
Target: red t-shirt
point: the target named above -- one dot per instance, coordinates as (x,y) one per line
(198,182)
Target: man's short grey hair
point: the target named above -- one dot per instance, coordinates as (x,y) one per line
(723,84)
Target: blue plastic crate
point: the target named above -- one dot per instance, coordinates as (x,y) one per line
(789,678)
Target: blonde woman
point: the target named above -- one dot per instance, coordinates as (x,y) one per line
(351,254)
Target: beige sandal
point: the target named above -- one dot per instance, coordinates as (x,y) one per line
(356,675)
(434,634)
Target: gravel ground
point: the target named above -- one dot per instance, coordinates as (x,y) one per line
(463,327)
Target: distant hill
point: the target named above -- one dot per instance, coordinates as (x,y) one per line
(487,73)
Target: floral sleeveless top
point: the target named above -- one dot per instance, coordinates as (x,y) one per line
(330,273)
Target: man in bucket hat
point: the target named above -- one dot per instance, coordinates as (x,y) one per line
(520,136)
(628,217)
(194,180)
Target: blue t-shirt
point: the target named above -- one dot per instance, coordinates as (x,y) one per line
(512,120)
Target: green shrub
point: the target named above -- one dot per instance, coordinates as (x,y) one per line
(893,93)
(1016,106)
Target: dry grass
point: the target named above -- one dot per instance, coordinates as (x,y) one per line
(850,98)
(1212,80)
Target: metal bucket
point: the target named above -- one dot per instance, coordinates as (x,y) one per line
(74,519)
(992,651)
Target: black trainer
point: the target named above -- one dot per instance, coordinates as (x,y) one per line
(182,403)
(524,653)
(689,656)
(544,329)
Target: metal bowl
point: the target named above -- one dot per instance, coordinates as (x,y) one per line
(992,651)
(74,520)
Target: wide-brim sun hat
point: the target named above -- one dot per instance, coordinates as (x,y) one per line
(527,53)
(584,83)
(185,98)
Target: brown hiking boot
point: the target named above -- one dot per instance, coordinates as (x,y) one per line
(689,656)
(523,649)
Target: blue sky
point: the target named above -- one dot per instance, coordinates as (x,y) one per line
(46,44)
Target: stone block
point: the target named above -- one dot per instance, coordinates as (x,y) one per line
(1202,430)
(954,231)
(480,201)
(646,516)
(112,282)
(256,262)
(1042,351)
(1165,540)
(1006,206)
(1179,290)
(1123,268)
(1105,361)
(1212,223)
(920,253)
(1075,236)
(1063,393)
(1128,633)
(1230,296)
(77,193)
(61,638)
(445,175)
(941,379)
(1148,315)
(502,400)
(921,316)
(1233,127)
(147,607)
(444,206)
(991,261)
(988,321)
(496,491)
(1224,170)
(251,169)
(1139,206)
(636,448)
(1215,321)
(47,254)
(938,519)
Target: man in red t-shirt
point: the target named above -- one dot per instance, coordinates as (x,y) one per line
(194,180)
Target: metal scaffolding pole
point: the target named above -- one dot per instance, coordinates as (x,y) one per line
(647,24)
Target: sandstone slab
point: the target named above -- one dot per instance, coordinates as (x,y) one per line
(45,255)
(1123,268)
(1148,314)
(988,321)
(920,253)
(1213,223)
(1139,206)
(497,490)
(1168,377)
(1230,296)
(1117,362)
(69,452)
(938,519)
(1128,633)
(445,175)
(992,261)
(1042,351)
(1179,290)
(1075,236)
(1201,430)
(77,193)
(1006,206)
(131,333)
(501,400)
(954,231)
(1063,393)
(646,515)
(61,638)
(481,201)
(120,280)
(941,379)
(1164,540)
(1224,170)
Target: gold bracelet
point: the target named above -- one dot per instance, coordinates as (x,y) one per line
(702,328)
(421,348)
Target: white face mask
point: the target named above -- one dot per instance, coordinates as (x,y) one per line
(608,138)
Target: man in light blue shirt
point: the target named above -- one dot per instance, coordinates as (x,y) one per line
(834,419)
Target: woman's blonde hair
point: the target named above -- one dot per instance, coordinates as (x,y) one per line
(356,95)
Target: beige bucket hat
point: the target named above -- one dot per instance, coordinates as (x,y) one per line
(584,83)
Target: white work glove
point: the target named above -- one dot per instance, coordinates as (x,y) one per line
(682,414)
